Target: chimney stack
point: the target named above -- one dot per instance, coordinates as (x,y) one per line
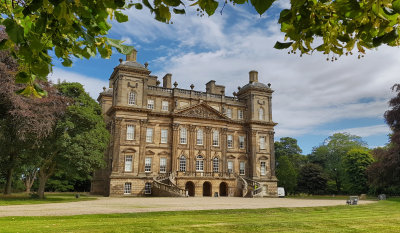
(253,76)
(167,80)
(132,56)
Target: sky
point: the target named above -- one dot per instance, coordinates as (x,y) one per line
(313,98)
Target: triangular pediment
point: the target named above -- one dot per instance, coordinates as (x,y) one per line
(202,110)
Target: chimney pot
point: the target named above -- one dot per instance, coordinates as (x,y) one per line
(132,56)
(253,76)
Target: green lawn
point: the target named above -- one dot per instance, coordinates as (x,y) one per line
(383,216)
(25,199)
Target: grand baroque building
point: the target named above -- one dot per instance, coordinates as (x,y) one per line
(167,141)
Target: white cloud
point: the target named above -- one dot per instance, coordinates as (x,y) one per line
(366,131)
(309,91)
(92,85)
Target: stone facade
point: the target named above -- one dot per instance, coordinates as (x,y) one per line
(204,142)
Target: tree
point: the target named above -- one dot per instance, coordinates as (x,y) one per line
(34,27)
(311,179)
(286,174)
(392,116)
(331,153)
(78,141)
(356,163)
(287,146)
(22,120)
(384,173)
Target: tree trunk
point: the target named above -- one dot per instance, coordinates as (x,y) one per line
(29,179)
(42,184)
(10,173)
(44,173)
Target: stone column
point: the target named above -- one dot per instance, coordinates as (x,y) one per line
(208,145)
(142,144)
(270,108)
(117,143)
(272,153)
(252,135)
(192,141)
(223,149)
(175,139)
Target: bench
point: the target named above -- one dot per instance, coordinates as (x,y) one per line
(353,200)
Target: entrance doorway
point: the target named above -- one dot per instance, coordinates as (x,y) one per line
(207,189)
(189,187)
(223,189)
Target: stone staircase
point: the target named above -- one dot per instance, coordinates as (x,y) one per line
(251,188)
(165,186)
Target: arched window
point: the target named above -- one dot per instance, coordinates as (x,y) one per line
(199,137)
(215,138)
(131,98)
(199,163)
(182,163)
(261,114)
(216,164)
(183,136)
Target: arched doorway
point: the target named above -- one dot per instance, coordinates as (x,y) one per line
(207,189)
(189,187)
(223,189)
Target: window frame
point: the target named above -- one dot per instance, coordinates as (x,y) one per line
(163,105)
(241,143)
(127,188)
(150,104)
(164,138)
(183,135)
(261,114)
(200,139)
(130,163)
(147,188)
(230,170)
(240,114)
(229,142)
(215,138)
(182,163)
(242,168)
(215,164)
(130,136)
(261,142)
(199,163)
(163,167)
(132,98)
(147,166)
(229,113)
(263,169)
(149,135)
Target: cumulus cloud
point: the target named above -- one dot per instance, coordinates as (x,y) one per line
(92,85)
(366,131)
(309,91)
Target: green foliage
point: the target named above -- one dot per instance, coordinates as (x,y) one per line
(286,174)
(356,163)
(311,179)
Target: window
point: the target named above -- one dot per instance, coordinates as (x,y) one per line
(230,141)
(240,114)
(130,132)
(229,113)
(147,164)
(147,188)
(216,164)
(183,136)
(241,142)
(241,168)
(164,106)
(199,137)
(262,143)
(163,165)
(230,166)
(182,164)
(164,135)
(149,135)
(150,104)
(261,114)
(263,168)
(199,163)
(128,188)
(131,98)
(128,163)
(215,138)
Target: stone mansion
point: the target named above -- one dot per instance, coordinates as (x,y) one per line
(167,141)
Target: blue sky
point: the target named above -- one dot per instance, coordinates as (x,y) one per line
(313,98)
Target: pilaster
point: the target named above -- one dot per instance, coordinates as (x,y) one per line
(175,139)
(142,144)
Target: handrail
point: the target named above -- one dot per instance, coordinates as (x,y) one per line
(257,187)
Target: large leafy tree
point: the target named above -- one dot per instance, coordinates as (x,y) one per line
(288,147)
(286,174)
(392,116)
(79,28)
(356,163)
(78,142)
(331,153)
(311,179)
(22,120)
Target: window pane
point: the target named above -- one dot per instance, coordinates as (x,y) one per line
(263,166)
(128,163)
(164,106)
(147,188)
(127,188)
(261,114)
(163,164)
(241,142)
(182,164)
(215,138)
(229,113)
(164,136)
(262,143)
(150,104)
(183,136)
(147,164)
(240,114)
(199,137)
(215,164)
(230,166)
(130,132)
(230,141)
(149,135)
(131,98)
(242,168)
(199,163)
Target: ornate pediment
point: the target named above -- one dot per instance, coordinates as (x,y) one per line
(202,110)
(149,152)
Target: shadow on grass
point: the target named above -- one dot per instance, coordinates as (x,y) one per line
(27,199)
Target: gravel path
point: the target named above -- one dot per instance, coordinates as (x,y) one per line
(109,205)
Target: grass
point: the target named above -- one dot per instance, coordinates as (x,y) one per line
(383,216)
(25,199)
(327,197)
